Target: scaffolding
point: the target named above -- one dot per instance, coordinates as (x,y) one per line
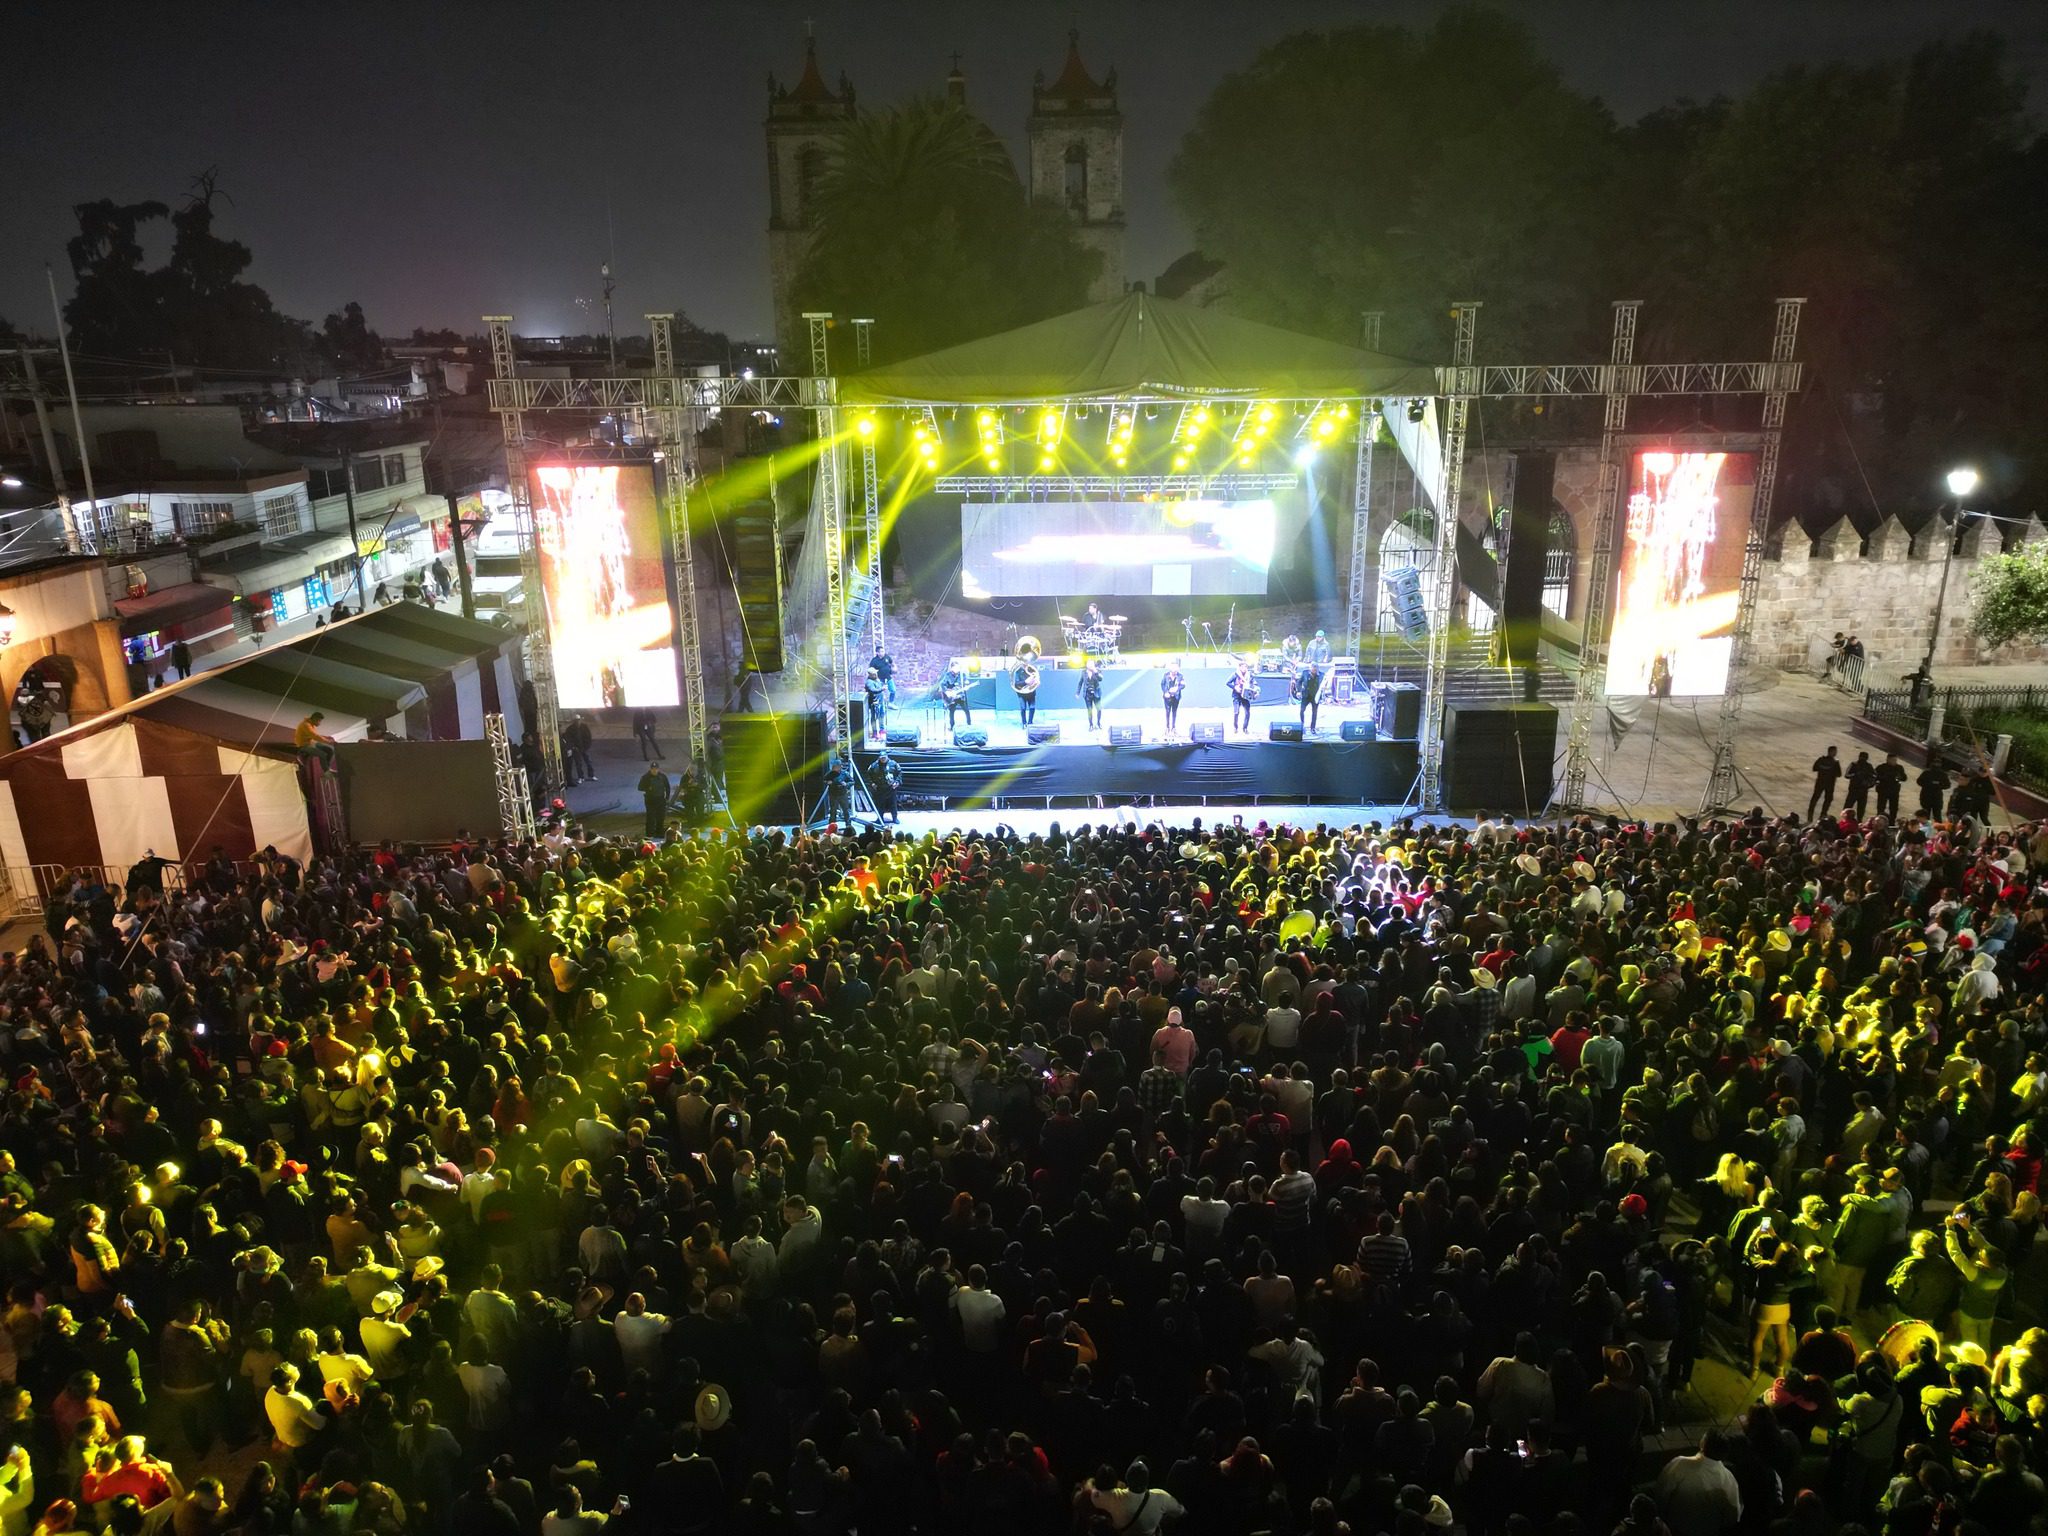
(1443,580)
(675,431)
(515,795)
(540,656)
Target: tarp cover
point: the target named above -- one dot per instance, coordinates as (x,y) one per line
(1139,345)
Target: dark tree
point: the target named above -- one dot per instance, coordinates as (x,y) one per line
(923,224)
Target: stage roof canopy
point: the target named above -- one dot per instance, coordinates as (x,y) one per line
(1139,346)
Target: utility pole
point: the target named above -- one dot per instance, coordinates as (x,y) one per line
(355,548)
(459,540)
(71,384)
(35,393)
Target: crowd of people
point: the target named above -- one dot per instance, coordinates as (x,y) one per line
(1219,1178)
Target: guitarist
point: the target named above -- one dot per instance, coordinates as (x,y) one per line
(1090,689)
(1244,692)
(953,686)
(1171,687)
(1024,681)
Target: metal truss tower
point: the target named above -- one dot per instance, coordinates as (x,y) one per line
(1361,503)
(515,795)
(540,655)
(1590,688)
(1721,781)
(871,508)
(1444,578)
(676,431)
(832,521)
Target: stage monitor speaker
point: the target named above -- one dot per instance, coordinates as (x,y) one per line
(1498,757)
(973,736)
(1397,711)
(1127,736)
(903,736)
(857,717)
(1532,479)
(1206,733)
(1404,592)
(1284,730)
(752,532)
(774,765)
(1041,735)
(1357,730)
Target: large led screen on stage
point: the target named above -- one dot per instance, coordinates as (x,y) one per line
(1116,548)
(1681,572)
(603,574)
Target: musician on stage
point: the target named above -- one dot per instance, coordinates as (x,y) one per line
(1308,688)
(883,665)
(1318,653)
(953,686)
(1171,687)
(877,692)
(1094,619)
(1090,690)
(1244,692)
(1024,683)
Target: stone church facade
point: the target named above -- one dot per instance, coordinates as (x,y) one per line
(1075,153)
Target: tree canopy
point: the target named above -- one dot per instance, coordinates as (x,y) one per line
(921,222)
(197,306)
(1377,167)
(2011,596)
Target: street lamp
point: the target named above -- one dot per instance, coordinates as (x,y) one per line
(1961,481)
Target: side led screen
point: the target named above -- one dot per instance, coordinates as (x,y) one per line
(602,571)
(1116,548)
(1681,572)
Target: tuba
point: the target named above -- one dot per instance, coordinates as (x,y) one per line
(1024,676)
(1027,649)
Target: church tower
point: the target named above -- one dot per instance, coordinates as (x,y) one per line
(1077,160)
(803,121)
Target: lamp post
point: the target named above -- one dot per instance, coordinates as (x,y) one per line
(1961,481)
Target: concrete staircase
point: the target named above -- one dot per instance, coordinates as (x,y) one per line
(1470,675)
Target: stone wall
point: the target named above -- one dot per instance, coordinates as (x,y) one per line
(1882,587)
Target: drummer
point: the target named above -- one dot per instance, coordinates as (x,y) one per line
(1094,619)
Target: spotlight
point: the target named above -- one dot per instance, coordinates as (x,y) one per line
(865,426)
(1045,463)
(1304,456)
(1415,410)
(986,418)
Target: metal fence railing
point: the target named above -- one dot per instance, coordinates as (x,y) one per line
(26,889)
(1968,721)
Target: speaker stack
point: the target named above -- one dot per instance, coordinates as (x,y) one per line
(1498,757)
(1404,592)
(774,765)
(1532,480)
(1397,711)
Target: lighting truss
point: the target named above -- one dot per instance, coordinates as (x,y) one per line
(1225,485)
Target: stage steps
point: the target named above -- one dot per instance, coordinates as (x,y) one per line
(1470,672)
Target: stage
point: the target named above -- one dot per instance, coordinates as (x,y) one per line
(1083,768)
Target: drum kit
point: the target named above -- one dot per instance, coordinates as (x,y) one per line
(1094,642)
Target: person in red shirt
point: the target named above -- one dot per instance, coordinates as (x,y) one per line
(1569,1040)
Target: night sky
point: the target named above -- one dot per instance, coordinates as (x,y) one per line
(440,159)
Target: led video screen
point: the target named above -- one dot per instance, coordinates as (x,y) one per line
(1681,572)
(603,574)
(1116,548)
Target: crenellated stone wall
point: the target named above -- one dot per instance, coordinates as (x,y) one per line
(1881,587)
